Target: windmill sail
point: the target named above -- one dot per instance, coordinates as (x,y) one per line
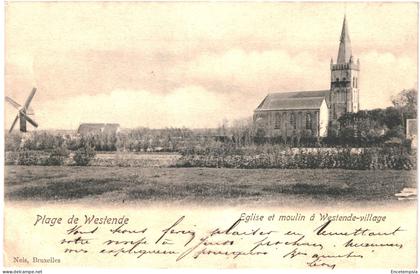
(13,102)
(23,112)
(14,123)
(29,99)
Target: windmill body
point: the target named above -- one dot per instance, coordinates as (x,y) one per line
(23,112)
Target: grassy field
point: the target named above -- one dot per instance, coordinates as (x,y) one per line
(204,185)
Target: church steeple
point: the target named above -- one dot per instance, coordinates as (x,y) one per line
(344,93)
(344,51)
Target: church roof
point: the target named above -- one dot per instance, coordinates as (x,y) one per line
(293,100)
(344,51)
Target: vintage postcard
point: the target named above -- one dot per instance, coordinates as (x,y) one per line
(275,135)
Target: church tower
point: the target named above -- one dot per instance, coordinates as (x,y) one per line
(344,91)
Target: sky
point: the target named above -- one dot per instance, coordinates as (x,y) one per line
(161,64)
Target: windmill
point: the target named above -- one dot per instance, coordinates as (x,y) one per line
(23,112)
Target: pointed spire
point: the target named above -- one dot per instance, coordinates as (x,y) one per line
(344,52)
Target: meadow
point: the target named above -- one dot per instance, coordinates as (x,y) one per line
(214,186)
(185,167)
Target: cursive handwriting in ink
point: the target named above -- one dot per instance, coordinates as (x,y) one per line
(77,230)
(120,230)
(322,231)
(170,230)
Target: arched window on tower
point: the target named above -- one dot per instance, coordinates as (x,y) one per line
(354,81)
(308,120)
(356,84)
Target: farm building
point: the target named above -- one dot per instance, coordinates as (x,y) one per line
(309,113)
(97,128)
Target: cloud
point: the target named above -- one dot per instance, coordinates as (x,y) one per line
(200,92)
(222,58)
(383,75)
(259,71)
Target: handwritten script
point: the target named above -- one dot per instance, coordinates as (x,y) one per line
(320,243)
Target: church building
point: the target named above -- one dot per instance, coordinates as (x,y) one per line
(309,113)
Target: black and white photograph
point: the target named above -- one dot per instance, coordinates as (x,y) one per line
(243,115)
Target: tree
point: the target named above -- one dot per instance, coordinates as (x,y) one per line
(393,117)
(241,131)
(367,126)
(259,136)
(406,100)
(406,104)
(85,153)
(223,127)
(347,135)
(334,129)
(396,132)
(58,156)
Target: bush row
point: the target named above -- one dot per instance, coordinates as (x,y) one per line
(129,160)
(55,157)
(302,158)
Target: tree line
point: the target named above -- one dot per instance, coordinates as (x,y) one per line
(365,128)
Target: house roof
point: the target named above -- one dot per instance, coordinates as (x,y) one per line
(293,100)
(97,127)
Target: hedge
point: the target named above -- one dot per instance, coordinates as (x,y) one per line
(379,158)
